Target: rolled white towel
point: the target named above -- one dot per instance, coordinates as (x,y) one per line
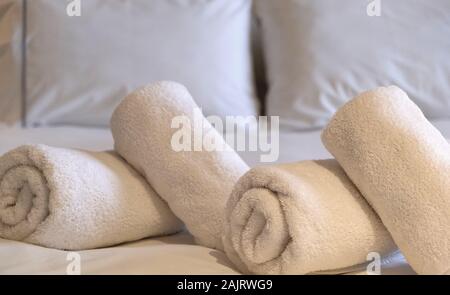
(301,218)
(401,164)
(196,184)
(74,200)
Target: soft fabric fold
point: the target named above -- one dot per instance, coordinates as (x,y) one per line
(195,181)
(301,218)
(73,199)
(401,164)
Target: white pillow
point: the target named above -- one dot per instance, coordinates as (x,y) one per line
(79,67)
(321,53)
(10,66)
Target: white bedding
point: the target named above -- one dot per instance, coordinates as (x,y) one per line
(175,254)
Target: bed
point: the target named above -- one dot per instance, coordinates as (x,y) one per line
(176,254)
(49,89)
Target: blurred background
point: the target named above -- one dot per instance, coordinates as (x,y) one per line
(68,63)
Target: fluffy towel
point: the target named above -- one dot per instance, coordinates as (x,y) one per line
(301,218)
(72,199)
(401,164)
(196,184)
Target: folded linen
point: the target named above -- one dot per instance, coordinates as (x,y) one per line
(301,218)
(74,200)
(196,183)
(401,164)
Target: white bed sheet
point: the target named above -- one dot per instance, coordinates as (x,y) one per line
(175,254)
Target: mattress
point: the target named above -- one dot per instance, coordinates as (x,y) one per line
(176,254)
